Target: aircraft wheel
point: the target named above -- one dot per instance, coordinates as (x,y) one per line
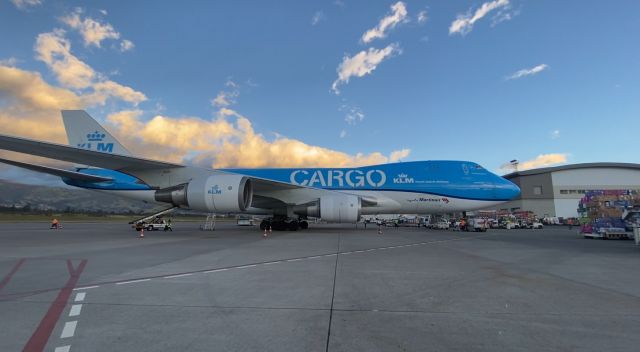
(293,226)
(304,225)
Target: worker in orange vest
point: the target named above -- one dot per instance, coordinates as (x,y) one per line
(55,224)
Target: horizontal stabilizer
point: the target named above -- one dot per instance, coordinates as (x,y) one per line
(57,172)
(81,156)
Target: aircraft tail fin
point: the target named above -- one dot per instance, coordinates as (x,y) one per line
(86,133)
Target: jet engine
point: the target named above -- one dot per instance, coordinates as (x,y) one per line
(219,193)
(340,208)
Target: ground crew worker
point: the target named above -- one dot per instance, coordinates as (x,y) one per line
(379,227)
(55,224)
(167,227)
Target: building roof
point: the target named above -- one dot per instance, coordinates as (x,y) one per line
(572,167)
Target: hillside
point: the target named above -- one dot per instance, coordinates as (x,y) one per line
(45,198)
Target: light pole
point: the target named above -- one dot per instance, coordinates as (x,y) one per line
(514,163)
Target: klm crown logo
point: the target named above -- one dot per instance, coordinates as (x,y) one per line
(215,190)
(403,178)
(95,136)
(99,146)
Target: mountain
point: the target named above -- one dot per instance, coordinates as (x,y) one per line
(45,198)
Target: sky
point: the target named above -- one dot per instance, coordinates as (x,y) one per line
(328,83)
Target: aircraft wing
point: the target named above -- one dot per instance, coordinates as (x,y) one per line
(57,172)
(81,156)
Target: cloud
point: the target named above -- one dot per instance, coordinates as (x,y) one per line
(55,50)
(528,71)
(110,89)
(343,133)
(228,140)
(126,45)
(317,17)
(26,4)
(10,61)
(362,63)
(30,107)
(398,15)
(353,114)
(93,31)
(227,97)
(422,17)
(541,160)
(463,24)
(555,134)
(398,155)
(504,14)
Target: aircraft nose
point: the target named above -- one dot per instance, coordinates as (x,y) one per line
(506,190)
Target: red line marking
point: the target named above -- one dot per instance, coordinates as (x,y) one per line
(7,278)
(70,267)
(39,339)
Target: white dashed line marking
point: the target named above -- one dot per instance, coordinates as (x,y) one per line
(246,266)
(62,349)
(294,260)
(80,296)
(179,275)
(75,310)
(214,271)
(69,329)
(131,282)
(269,263)
(85,288)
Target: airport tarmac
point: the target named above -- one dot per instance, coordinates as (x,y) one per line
(98,287)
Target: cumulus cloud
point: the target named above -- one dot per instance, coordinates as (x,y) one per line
(30,107)
(541,160)
(110,89)
(317,17)
(399,155)
(398,15)
(26,4)
(126,45)
(463,24)
(228,140)
(55,50)
(362,63)
(343,133)
(422,17)
(92,31)
(528,71)
(555,134)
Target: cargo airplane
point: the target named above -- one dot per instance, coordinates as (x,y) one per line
(288,195)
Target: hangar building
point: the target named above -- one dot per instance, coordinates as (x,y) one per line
(556,191)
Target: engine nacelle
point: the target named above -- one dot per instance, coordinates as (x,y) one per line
(343,208)
(220,193)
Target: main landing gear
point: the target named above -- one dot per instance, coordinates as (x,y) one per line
(284,224)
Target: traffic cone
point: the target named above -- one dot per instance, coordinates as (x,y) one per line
(142,233)
(265,233)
